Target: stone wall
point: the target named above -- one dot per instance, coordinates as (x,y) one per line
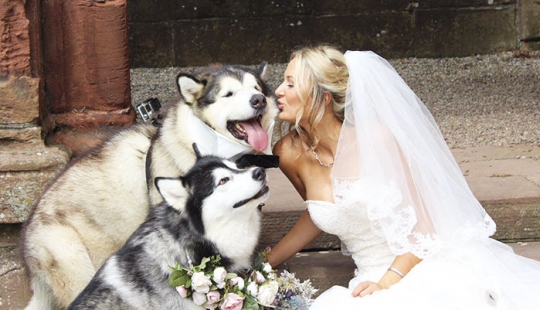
(176,33)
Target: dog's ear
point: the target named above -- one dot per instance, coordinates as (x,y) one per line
(262,72)
(196,150)
(190,87)
(173,191)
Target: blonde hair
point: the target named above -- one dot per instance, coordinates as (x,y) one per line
(319,70)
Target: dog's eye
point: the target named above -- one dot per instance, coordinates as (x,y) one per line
(229,94)
(223,181)
(258,88)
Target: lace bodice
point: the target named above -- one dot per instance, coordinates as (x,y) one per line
(347,218)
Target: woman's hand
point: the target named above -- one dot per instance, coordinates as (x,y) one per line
(366,288)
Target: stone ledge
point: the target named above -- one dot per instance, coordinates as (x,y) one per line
(25,169)
(32,157)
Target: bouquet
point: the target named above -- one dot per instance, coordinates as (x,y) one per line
(292,293)
(211,286)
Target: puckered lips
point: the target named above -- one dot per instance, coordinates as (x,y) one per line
(250,131)
(259,194)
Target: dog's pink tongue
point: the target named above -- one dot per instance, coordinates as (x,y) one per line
(257,136)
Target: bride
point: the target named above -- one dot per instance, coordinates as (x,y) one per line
(369,160)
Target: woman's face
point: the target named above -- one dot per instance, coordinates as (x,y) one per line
(288,101)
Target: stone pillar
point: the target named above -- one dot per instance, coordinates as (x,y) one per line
(86,71)
(26,164)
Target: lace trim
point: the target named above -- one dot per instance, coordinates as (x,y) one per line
(388,217)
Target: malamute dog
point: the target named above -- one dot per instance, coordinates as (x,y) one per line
(211,210)
(92,208)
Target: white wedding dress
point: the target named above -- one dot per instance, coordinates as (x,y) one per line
(454,280)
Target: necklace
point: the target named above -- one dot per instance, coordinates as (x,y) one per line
(317,156)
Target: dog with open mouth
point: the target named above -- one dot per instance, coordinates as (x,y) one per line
(90,210)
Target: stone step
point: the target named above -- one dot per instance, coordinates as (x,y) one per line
(506,181)
(328,268)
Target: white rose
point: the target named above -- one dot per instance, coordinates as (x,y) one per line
(200,282)
(219,276)
(252,288)
(238,282)
(268,292)
(267,268)
(199,298)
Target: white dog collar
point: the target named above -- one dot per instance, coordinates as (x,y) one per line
(211,142)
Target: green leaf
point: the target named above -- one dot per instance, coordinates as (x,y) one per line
(257,262)
(250,303)
(230,275)
(205,260)
(179,280)
(176,274)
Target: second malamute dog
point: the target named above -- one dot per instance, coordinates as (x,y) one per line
(91,208)
(211,210)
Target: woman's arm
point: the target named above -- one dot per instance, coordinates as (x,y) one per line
(402,264)
(304,231)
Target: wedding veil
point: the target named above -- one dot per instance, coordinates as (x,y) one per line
(417,195)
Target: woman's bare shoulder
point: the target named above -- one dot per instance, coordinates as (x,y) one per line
(288,148)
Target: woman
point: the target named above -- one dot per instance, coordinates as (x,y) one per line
(374,169)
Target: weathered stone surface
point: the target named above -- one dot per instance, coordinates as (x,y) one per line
(454,33)
(394,28)
(19,192)
(17,157)
(389,33)
(151,44)
(276,225)
(488,153)
(458,4)
(14,288)
(237,41)
(158,11)
(529,12)
(86,62)
(22,135)
(517,219)
(25,169)
(81,141)
(14,40)
(19,103)
(347,7)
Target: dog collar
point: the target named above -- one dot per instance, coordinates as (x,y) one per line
(211,142)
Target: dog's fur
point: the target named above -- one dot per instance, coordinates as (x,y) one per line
(91,209)
(211,210)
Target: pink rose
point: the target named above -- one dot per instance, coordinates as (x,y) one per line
(182,290)
(213,298)
(259,277)
(232,302)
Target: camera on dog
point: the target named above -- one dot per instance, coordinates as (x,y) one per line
(148,111)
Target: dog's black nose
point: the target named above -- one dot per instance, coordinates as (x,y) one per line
(258,101)
(259,174)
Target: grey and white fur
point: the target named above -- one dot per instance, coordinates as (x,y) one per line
(211,210)
(90,210)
